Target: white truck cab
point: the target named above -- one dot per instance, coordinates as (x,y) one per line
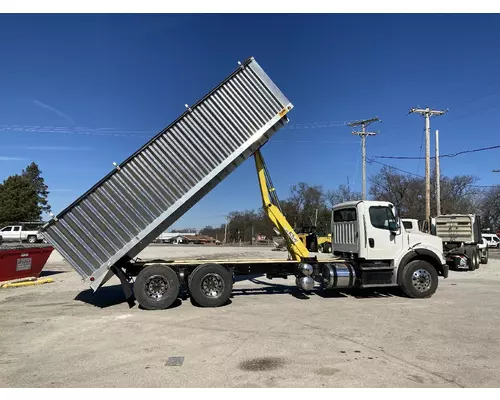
(410,225)
(370,233)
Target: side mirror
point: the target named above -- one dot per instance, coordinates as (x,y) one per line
(394,227)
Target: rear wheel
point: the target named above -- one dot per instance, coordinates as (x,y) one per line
(471,260)
(477,258)
(484,259)
(419,280)
(210,285)
(156,287)
(31,239)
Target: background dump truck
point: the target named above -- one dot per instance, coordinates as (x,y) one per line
(462,240)
(102,232)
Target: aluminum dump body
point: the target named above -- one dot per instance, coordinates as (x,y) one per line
(124,212)
(465,228)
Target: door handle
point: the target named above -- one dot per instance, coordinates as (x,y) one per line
(371,242)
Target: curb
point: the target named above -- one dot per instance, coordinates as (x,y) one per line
(30,283)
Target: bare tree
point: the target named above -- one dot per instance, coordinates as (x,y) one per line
(490,207)
(340,195)
(407,193)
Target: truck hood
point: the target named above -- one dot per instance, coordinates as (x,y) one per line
(420,239)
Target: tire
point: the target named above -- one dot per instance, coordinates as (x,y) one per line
(32,239)
(210,285)
(321,248)
(484,260)
(477,258)
(472,258)
(327,247)
(419,279)
(156,287)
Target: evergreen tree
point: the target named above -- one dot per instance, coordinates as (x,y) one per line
(34,175)
(18,200)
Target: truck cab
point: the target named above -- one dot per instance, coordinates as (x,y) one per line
(371,233)
(410,225)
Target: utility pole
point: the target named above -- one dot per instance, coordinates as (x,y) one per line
(225,230)
(438,178)
(363,133)
(427,113)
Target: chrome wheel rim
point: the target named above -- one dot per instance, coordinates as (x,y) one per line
(421,280)
(212,286)
(156,287)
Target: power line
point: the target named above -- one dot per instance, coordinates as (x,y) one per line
(371,160)
(450,155)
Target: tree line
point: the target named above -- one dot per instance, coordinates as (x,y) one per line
(23,197)
(306,206)
(310,205)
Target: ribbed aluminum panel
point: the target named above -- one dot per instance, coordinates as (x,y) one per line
(455,228)
(345,232)
(118,217)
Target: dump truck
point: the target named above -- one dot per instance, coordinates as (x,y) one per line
(462,241)
(102,232)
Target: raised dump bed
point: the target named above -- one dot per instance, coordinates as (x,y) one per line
(124,212)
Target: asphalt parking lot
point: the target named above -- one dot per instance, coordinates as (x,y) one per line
(270,335)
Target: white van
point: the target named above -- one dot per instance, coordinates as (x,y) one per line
(492,240)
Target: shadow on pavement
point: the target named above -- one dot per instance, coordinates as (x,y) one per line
(49,273)
(106,296)
(195,304)
(175,304)
(276,288)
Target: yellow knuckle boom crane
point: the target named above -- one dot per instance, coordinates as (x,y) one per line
(270,202)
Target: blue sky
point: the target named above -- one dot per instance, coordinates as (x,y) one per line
(79,92)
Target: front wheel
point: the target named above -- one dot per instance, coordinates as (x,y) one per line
(419,279)
(156,287)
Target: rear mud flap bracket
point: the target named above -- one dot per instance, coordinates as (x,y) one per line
(126,285)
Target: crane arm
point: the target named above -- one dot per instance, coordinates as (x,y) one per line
(296,248)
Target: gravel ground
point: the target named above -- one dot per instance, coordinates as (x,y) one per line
(63,335)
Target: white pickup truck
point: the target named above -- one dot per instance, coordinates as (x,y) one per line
(19,233)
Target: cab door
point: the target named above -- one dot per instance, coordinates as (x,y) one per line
(384,238)
(7,234)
